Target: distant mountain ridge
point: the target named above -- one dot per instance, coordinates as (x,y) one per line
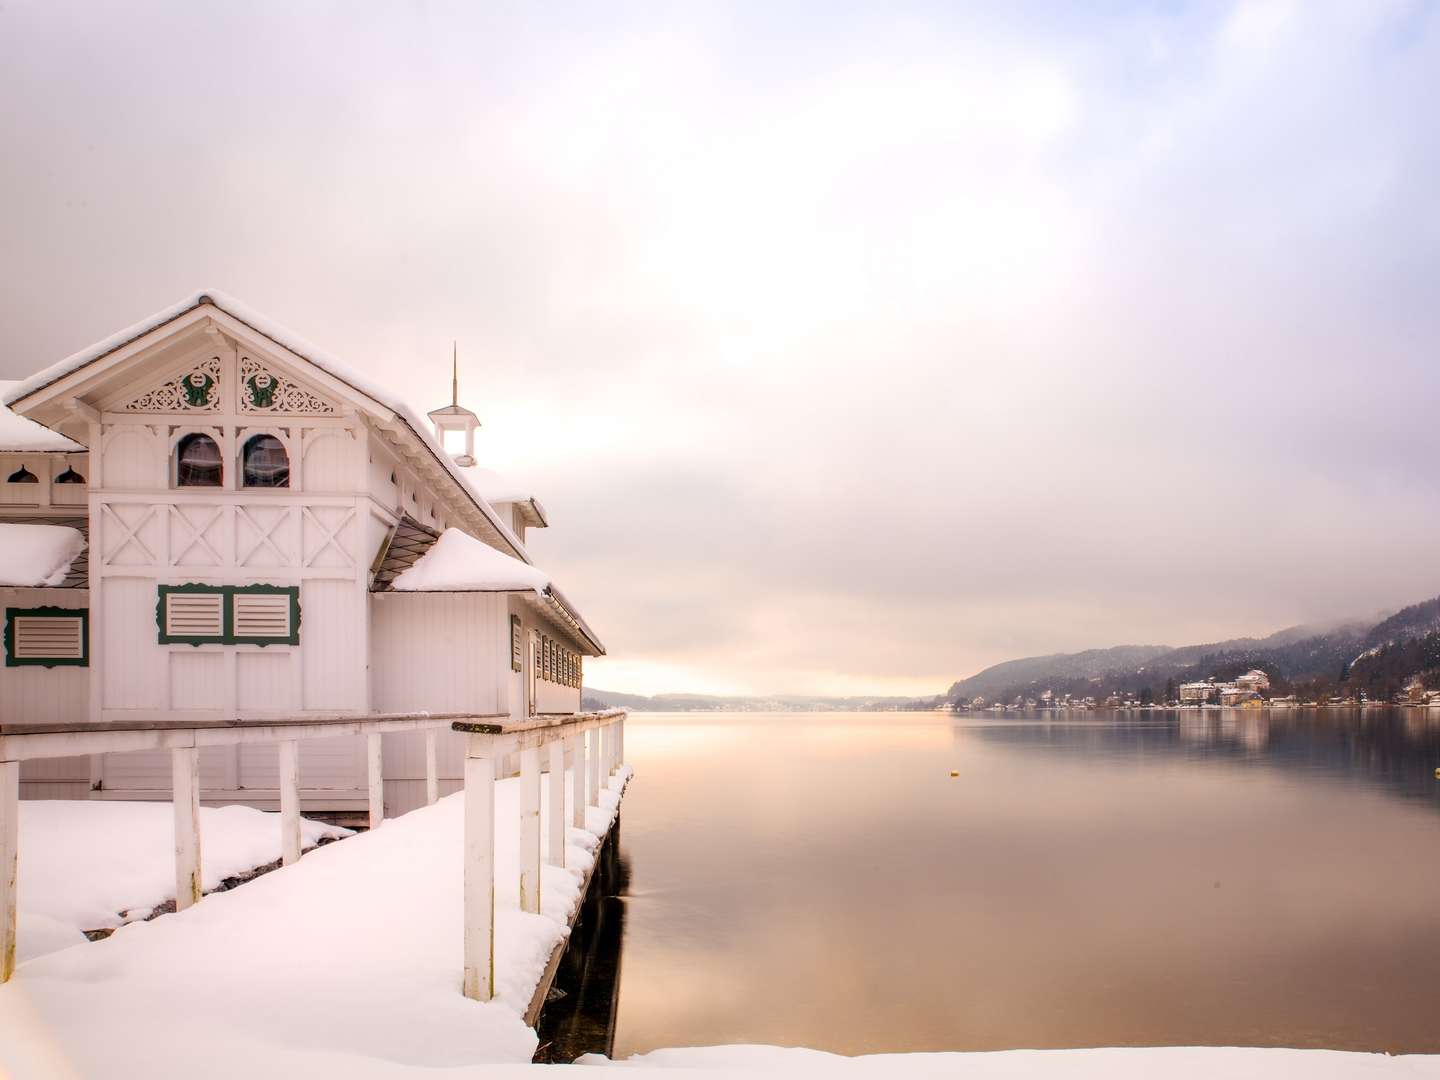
(1295,654)
(609,699)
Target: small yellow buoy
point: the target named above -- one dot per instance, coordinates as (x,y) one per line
(956,772)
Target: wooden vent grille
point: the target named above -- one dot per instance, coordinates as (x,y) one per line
(195,614)
(49,637)
(261,615)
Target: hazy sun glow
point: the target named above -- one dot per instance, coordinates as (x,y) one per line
(848,350)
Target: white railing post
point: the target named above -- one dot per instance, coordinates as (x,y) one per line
(185,773)
(9,862)
(556,852)
(577,780)
(375,758)
(620,740)
(432,771)
(479,870)
(592,769)
(289,801)
(530,829)
(612,744)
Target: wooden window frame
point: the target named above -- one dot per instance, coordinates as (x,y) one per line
(227,614)
(12,613)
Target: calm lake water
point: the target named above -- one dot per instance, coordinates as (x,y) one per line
(1194,878)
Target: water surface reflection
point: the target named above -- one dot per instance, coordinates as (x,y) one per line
(1220,878)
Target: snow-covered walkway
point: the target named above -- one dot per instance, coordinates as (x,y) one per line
(354,952)
(95,865)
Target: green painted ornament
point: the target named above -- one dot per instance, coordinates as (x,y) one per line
(262,386)
(197,389)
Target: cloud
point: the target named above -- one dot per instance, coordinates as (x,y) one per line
(846,350)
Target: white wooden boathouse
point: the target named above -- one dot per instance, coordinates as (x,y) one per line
(204,519)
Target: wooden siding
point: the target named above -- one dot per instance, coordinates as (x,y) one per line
(442,652)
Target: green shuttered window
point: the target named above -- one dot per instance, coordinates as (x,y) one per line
(196,614)
(47,637)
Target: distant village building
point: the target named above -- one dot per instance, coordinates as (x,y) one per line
(1199,693)
(1254,680)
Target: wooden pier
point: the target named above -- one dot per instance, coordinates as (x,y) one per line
(593,743)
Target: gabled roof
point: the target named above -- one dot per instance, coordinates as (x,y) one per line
(380,400)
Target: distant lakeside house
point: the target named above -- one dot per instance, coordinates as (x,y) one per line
(204,517)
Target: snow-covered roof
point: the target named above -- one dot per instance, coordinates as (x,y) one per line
(37,555)
(20,433)
(495,489)
(327,363)
(460,563)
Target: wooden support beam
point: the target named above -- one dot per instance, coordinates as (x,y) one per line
(376,768)
(530,829)
(290,841)
(185,771)
(577,780)
(555,853)
(479,979)
(432,770)
(9,862)
(592,769)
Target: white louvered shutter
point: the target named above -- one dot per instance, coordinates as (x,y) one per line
(196,615)
(260,615)
(49,637)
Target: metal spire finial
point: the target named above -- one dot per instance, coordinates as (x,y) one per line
(454,373)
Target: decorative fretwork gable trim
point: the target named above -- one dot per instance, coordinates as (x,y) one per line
(264,391)
(195,390)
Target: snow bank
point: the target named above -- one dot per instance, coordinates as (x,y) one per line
(1126,1063)
(458,562)
(347,963)
(85,863)
(19,433)
(37,554)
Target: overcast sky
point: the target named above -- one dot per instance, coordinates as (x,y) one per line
(850,348)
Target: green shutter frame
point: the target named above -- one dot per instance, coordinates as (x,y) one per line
(227,614)
(45,612)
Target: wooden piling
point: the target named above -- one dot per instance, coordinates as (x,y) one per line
(555,851)
(290,838)
(185,773)
(479,977)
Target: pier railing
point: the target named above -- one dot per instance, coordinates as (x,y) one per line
(486,745)
(489,738)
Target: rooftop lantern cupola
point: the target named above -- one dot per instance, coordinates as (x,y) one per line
(454,417)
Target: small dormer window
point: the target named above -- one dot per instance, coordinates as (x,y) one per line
(197,462)
(264,463)
(23,475)
(69,476)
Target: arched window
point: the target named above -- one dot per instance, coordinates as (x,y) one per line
(69,476)
(23,475)
(264,463)
(197,461)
